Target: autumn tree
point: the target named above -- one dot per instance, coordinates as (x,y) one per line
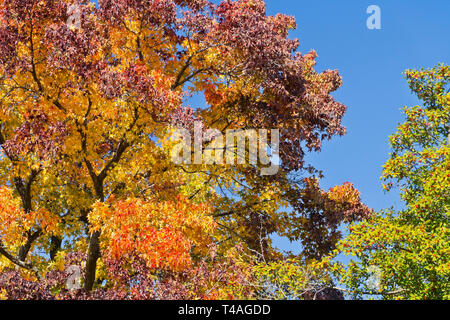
(90,96)
(410,247)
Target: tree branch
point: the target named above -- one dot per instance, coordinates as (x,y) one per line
(18,262)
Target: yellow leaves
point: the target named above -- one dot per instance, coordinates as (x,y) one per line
(3,294)
(59,262)
(97,216)
(163,233)
(291,278)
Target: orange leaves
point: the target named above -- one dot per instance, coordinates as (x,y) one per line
(346,201)
(162,233)
(338,198)
(345,193)
(14,222)
(212,96)
(47,221)
(10,213)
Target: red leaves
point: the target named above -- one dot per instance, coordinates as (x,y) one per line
(292,96)
(224,278)
(38,136)
(151,12)
(19,288)
(8,48)
(76,49)
(148,88)
(322,214)
(243,26)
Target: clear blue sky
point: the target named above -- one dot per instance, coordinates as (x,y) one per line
(414,34)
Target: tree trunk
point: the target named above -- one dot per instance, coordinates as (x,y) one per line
(91,263)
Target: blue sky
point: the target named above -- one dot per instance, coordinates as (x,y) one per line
(414,34)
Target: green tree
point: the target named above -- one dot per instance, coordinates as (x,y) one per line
(410,248)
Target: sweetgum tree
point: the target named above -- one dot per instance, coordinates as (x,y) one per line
(90,94)
(411,247)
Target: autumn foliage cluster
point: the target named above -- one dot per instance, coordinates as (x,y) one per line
(90,94)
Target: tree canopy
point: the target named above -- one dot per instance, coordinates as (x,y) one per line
(91,95)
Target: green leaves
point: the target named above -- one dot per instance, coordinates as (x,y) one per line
(412,247)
